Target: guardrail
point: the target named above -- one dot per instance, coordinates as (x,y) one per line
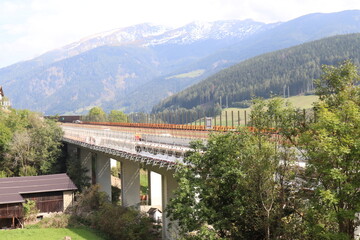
(163,126)
(153,149)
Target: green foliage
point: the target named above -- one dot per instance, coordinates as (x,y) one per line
(117,222)
(332,148)
(230,183)
(115,171)
(286,72)
(30,211)
(30,144)
(117,116)
(96,114)
(115,194)
(89,200)
(183,115)
(77,172)
(50,233)
(124,223)
(55,221)
(205,232)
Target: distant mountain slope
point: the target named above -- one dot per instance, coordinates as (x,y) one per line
(290,70)
(134,68)
(89,72)
(278,36)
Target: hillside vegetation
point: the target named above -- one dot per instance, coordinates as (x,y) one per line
(286,72)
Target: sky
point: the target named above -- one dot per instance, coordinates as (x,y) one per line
(29,28)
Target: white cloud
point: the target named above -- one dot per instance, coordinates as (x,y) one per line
(31,27)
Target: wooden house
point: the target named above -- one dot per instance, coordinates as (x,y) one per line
(52,193)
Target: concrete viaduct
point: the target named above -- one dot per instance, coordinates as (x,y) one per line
(157,151)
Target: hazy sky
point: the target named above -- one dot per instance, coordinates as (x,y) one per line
(29,28)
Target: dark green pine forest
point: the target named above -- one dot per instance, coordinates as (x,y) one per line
(286,72)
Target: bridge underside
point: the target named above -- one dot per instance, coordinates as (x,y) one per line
(97,160)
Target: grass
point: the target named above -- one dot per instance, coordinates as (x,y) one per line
(49,234)
(232,114)
(304,102)
(144,185)
(192,74)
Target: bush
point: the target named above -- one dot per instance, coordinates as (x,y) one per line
(242,104)
(90,200)
(115,194)
(124,223)
(55,221)
(115,171)
(93,208)
(30,211)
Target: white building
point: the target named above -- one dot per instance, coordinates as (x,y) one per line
(4,101)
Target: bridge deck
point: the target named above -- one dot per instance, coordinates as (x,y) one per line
(164,147)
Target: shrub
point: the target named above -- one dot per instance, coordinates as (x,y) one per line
(94,208)
(115,171)
(124,223)
(90,200)
(115,194)
(30,211)
(55,221)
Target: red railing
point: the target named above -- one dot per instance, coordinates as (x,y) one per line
(163,126)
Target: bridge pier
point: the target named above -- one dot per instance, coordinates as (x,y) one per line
(130,183)
(97,164)
(161,181)
(86,158)
(103,173)
(168,186)
(155,189)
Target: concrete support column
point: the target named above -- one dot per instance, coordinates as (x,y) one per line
(155,189)
(85,156)
(130,183)
(103,173)
(71,151)
(169,186)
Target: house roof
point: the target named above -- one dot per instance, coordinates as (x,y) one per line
(153,210)
(12,188)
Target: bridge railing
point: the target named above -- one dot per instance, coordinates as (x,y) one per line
(116,140)
(162,147)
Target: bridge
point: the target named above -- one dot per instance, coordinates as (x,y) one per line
(158,150)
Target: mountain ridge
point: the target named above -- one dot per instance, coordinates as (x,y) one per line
(145,68)
(291,70)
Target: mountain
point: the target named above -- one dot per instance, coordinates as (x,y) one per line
(103,69)
(289,71)
(277,36)
(133,68)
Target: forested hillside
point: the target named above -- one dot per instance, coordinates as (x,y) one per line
(285,72)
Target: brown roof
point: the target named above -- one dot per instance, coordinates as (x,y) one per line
(12,188)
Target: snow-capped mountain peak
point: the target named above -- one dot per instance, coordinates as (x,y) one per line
(148,34)
(218,30)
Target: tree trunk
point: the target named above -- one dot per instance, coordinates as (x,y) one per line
(268,225)
(346,226)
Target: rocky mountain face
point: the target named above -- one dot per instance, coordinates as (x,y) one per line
(133,68)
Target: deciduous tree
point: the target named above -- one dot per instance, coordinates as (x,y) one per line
(332,147)
(239,183)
